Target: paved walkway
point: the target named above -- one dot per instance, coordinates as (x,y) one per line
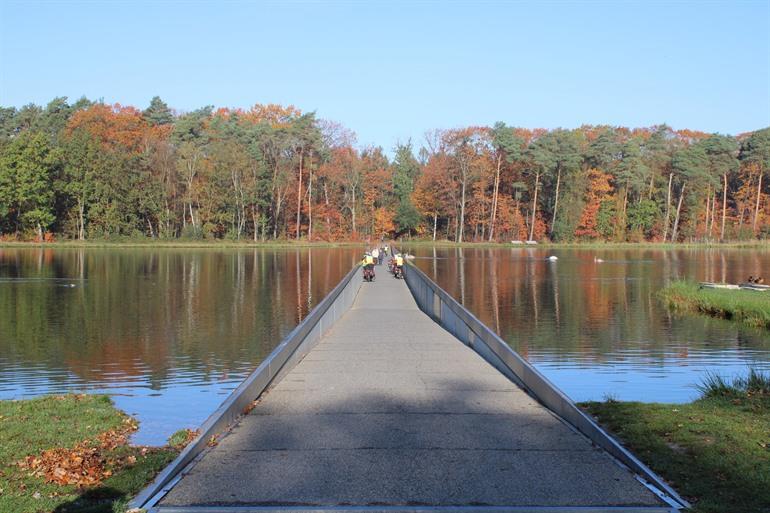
(391,410)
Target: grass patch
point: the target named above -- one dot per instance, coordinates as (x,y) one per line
(715,385)
(714,451)
(70,454)
(747,306)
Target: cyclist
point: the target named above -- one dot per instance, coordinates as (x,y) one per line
(368,263)
(399,265)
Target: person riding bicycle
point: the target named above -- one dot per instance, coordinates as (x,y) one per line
(400,264)
(368,264)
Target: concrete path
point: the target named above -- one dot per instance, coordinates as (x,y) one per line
(391,410)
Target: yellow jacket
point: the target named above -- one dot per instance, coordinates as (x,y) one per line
(399,260)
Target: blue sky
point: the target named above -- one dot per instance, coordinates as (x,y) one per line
(392,70)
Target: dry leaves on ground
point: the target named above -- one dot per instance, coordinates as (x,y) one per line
(83,465)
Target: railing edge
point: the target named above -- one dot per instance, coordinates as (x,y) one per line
(544,391)
(232,408)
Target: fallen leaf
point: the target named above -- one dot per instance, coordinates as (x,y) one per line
(82,465)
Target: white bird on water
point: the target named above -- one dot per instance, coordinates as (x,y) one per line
(598,260)
(553,258)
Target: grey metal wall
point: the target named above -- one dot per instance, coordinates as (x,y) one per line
(280,361)
(457,320)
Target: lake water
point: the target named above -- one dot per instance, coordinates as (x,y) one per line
(170,332)
(591,321)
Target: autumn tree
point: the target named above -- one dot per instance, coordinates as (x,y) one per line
(599,190)
(756,151)
(722,155)
(431,195)
(465,148)
(270,171)
(508,148)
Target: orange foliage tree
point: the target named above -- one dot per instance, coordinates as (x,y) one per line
(599,190)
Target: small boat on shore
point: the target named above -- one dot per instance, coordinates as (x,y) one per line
(711,285)
(730,286)
(755,286)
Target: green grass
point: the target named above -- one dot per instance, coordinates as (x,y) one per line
(714,451)
(715,385)
(750,307)
(29,427)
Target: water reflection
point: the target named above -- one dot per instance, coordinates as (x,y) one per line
(171,332)
(591,322)
(168,332)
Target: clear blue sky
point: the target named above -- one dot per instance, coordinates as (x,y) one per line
(390,71)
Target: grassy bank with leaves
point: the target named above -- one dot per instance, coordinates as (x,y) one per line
(747,306)
(71,453)
(714,451)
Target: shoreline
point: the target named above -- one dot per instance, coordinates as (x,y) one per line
(290,244)
(714,451)
(751,308)
(72,453)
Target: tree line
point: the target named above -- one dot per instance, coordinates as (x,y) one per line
(89,170)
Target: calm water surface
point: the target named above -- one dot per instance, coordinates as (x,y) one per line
(591,322)
(170,332)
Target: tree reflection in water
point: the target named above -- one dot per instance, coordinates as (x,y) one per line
(169,331)
(597,328)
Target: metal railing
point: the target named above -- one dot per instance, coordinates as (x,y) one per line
(457,320)
(281,360)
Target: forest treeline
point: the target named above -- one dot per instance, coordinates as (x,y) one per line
(91,170)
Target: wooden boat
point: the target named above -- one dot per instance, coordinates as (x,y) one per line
(710,285)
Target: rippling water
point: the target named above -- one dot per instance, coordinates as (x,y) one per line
(168,332)
(590,321)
